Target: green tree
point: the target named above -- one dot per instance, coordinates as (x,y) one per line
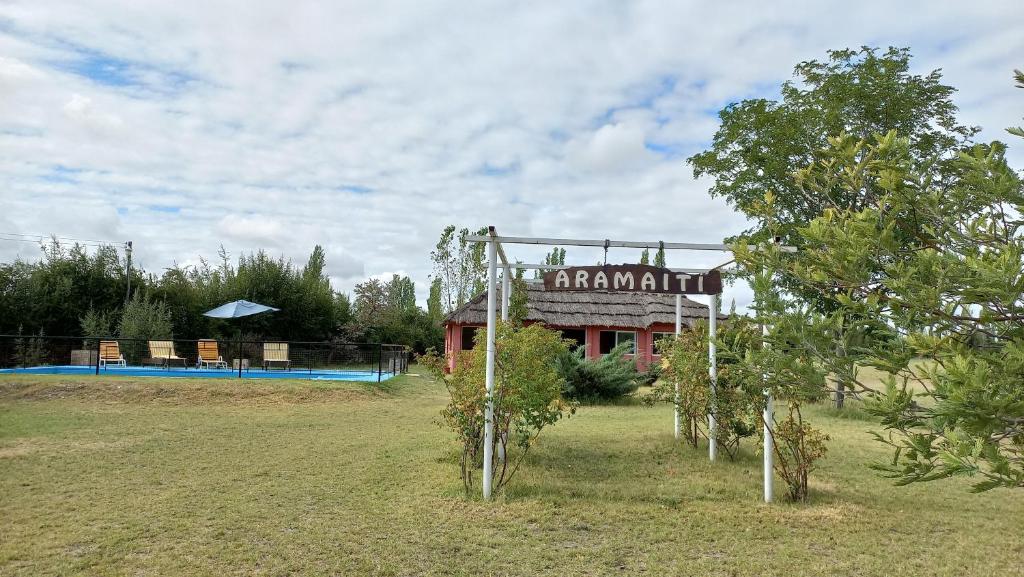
(97,324)
(645,257)
(924,272)
(435,309)
(761,143)
(555,257)
(460,266)
(143,319)
(659,257)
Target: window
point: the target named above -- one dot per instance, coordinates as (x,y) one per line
(468,334)
(579,336)
(657,337)
(612,339)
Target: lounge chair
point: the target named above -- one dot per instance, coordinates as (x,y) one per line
(110,353)
(209,355)
(162,353)
(276,354)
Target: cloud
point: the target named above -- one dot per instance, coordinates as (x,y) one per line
(253,230)
(367,126)
(612,148)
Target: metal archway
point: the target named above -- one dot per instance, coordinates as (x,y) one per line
(496,252)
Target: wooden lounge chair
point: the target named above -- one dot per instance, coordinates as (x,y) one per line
(210,356)
(110,353)
(162,353)
(276,354)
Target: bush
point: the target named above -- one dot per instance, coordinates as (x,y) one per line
(145,319)
(526,397)
(97,324)
(610,377)
(30,351)
(651,375)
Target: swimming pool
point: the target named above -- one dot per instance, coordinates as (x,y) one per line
(177,372)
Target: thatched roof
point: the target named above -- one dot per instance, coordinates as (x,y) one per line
(582,309)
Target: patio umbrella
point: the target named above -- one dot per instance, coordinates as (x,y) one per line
(237,309)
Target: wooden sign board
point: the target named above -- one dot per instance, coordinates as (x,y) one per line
(640,278)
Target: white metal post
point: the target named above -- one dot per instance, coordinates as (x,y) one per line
(506,292)
(713,373)
(492,285)
(506,288)
(679,329)
(769,443)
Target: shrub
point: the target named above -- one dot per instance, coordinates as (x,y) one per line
(798,447)
(145,319)
(96,324)
(527,396)
(686,363)
(609,377)
(651,375)
(30,351)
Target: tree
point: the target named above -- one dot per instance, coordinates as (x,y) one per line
(387,313)
(555,257)
(434,308)
(761,143)
(645,257)
(143,319)
(931,267)
(460,266)
(659,257)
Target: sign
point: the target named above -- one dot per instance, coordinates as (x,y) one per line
(639,278)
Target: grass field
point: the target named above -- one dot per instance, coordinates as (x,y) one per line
(175,477)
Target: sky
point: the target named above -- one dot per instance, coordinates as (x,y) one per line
(366,127)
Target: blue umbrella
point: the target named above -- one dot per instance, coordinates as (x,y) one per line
(234,310)
(238,309)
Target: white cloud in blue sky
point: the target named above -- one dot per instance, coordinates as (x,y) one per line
(368,126)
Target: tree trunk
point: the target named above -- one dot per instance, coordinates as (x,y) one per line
(840,394)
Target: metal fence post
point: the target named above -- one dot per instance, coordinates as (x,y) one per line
(97,356)
(380,359)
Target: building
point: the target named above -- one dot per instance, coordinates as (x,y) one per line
(596,320)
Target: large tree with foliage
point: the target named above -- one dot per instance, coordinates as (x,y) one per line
(761,142)
(931,273)
(386,312)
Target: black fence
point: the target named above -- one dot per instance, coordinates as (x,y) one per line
(211,357)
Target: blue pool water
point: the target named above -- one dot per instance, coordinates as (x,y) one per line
(319,374)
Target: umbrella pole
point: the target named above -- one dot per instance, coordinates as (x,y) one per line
(239,352)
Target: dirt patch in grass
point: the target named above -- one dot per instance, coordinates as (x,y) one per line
(190,392)
(32,446)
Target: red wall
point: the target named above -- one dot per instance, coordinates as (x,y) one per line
(453,341)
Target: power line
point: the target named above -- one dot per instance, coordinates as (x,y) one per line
(40,239)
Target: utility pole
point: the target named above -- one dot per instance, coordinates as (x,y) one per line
(128,271)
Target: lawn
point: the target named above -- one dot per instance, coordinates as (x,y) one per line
(171,477)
